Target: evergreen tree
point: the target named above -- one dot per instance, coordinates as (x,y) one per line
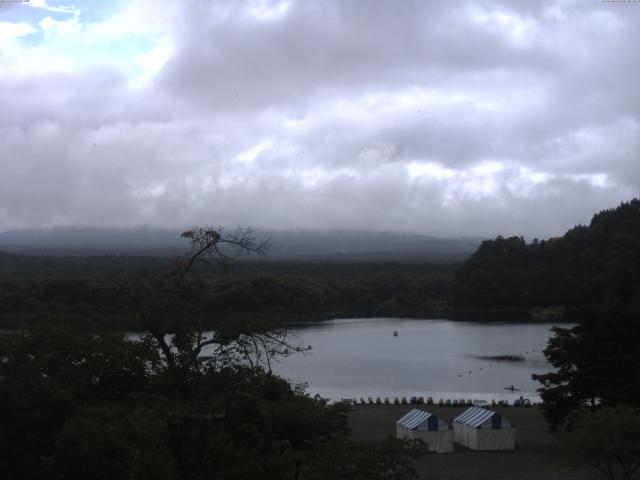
(596,363)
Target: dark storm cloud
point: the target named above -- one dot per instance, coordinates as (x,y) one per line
(447,118)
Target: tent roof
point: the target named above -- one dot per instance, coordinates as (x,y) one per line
(474,416)
(414,418)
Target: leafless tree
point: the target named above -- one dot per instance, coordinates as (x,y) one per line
(177,332)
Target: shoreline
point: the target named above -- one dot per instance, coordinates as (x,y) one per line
(441,399)
(538,454)
(122,321)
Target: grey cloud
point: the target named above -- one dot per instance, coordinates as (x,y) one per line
(325,47)
(315,120)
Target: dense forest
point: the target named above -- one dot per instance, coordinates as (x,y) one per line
(76,405)
(595,270)
(506,275)
(585,267)
(91,289)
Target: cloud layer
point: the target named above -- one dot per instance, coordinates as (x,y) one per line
(445,118)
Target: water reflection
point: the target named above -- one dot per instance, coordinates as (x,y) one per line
(441,358)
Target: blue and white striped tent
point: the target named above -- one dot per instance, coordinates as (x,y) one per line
(477,417)
(482,429)
(429,428)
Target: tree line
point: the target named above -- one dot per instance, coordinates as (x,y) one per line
(591,398)
(585,267)
(180,403)
(282,291)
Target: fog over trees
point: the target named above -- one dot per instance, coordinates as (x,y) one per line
(417,159)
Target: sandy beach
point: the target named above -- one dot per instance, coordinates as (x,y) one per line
(538,456)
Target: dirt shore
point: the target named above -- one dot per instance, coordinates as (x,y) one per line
(538,456)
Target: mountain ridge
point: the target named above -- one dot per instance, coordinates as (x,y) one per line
(284,244)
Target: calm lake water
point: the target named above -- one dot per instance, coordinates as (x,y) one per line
(442,358)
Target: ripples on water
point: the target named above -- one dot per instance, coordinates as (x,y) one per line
(353,358)
(440,358)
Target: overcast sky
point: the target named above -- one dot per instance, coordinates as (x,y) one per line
(440,117)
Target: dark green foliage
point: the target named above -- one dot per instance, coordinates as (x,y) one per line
(586,266)
(596,362)
(74,405)
(595,271)
(110,442)
(48,376)
(608,440)
(335,290)
(493,275)
(92,292)
(178,404)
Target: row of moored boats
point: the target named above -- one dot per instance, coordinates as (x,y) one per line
(520,402)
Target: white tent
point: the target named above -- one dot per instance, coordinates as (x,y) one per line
(418,424)
(481,429)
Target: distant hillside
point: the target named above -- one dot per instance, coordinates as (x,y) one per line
(586,266)
(307,244)
(366,245)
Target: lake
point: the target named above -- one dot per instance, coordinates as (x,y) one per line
(441,358)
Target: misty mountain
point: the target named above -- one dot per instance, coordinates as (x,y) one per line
(363,244)
(284,244)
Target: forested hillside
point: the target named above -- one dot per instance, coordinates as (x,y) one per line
(78,405)
(588,265)
(91,289)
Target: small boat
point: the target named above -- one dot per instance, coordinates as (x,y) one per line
(512,389)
